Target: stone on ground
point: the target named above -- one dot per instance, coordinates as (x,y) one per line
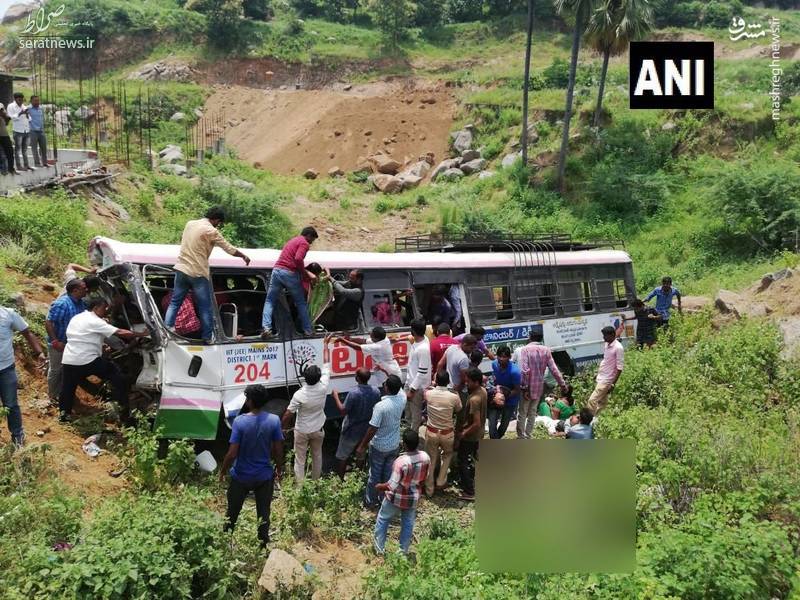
(311,174)
(510,159)
(452,174)
(385,164)
(473,166)
(447,163)
(388,184)
(282,571)
(335,172)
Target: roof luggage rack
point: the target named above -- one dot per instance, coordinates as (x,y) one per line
(551,242)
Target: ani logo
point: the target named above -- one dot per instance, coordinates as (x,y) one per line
(302,355)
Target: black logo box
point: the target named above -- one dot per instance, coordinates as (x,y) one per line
(659,52)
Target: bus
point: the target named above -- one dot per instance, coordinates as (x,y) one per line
(510,285)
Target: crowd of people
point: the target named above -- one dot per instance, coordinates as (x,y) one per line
(438,411)
(27,129)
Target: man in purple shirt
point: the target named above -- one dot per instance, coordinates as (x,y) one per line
(287,274)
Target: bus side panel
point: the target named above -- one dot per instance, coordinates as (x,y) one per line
(190,397)
(247,364)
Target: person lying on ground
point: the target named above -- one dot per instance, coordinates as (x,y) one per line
(564,407)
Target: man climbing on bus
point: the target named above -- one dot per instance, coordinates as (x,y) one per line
(192,272)
(347,299)
(287,274)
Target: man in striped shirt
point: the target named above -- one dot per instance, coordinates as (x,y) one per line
(402,493)
(534,360)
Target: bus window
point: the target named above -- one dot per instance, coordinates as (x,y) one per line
(389,308)
(534,297)
(611,288)
(576,291)
(240,300)
(490,303)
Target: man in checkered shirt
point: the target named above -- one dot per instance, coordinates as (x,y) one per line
(402,493)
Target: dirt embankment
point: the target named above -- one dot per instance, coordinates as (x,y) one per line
(289,131)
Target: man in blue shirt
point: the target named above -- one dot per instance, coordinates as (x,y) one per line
(506,379)
(357,411)
(383,438)
(256,438)
(583,430)
(664,296)
(36,136)
(58,317)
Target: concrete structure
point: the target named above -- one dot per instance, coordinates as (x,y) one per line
(7,86)
(68,160)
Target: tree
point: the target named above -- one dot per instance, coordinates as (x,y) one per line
(611,28)
(393,18)
(224,18)
(525,84)
(581,10)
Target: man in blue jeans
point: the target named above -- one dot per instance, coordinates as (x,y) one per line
(383,437)
(507,378)
(192,272)
(10,323)
(287,274)
(256,439)
(402,491)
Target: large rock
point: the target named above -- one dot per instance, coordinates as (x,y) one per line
(385,164)
(335,172)
(448,163)
(311,174)
(510,159)
(17,11)
(409,181)
(462,139)
(177,117)
(418,169)
(166,149)
(473,166)
(451,174)
(469,155)
(728,302)
(164,71)
(694,304)
(282,571)
(388,184)
(172,156)
(174,169)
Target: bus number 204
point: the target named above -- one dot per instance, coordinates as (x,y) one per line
(251,372)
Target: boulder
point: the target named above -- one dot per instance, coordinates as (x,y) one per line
(409,181)
(173,156)
(388,184)
(198,113)
(486,174)
(418,169)
(174,169)
(177,117)
(510,159)
(311,174)
(385,164)
(694,304)
(452,174)
(19,300)
(462,139)
(448,163)
(473,166)
(533,134)
(17,11)
(282,571)
(168,148)
(335,172)
(429,100)
(783,274)
(728,302)
(469,155)
(164,71)
(668,126)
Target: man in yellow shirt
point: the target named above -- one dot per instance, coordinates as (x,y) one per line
(192,272)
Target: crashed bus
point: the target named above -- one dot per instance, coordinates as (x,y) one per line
(510,286)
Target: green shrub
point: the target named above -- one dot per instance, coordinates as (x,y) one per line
(145,469)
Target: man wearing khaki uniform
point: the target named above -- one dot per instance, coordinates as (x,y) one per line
(443,406)
(609,371)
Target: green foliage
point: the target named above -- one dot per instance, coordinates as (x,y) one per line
(225,29)
(759,200)
(326,506)
(393,18)
(464,10)
(429,13)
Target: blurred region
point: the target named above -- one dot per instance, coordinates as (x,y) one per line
(550,507)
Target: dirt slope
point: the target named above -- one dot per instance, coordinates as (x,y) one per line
(289,131)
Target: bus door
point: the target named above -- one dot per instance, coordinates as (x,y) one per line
(191,396)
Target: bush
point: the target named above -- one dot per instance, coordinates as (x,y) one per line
(429,13)
(145,469)
(759,200)
(464,10)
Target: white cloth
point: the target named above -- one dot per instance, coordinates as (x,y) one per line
(85,334)
(381,353)
(457,361)
(419,365)
(550,424)
(21,123)
(309,404)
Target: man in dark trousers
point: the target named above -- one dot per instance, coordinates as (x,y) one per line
(256,439)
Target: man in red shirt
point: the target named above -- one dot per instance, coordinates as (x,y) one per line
(288,273)
(440,344)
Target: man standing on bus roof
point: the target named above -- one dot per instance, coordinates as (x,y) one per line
(192,271)
(664,296)
(288,273)
(534,360)
(609,371)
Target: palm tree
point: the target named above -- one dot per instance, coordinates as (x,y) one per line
(524,137)
(582,11)
(611,28)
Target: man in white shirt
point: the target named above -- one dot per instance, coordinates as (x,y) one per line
(609,371)
(20,123)
(308,404)
(380,349)
(419,372)
(83,356)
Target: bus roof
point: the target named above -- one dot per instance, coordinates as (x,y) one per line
(167,255)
